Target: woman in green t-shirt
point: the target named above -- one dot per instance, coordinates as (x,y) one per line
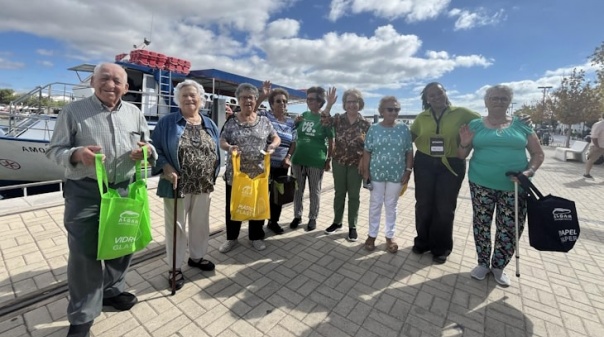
(311,153)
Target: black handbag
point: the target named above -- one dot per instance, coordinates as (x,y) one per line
(553,222)
(284,189)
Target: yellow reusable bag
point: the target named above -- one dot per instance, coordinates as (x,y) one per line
(249,197)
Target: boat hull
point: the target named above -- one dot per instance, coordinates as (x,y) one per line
(24,160)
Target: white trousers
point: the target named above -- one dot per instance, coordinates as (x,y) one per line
(193,210)
(386,194)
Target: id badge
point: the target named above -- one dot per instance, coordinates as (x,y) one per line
(437,146)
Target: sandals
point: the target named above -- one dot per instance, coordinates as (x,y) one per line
(391,246)
(179,279)
(202,264)
(370,243)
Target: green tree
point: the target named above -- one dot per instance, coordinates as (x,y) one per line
(6,96)
(576,101)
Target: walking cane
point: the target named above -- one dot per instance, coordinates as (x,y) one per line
(174,238)
(515,174)
(516,216)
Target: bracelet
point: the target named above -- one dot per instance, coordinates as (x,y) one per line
(409,169)
(288,155)
(465,147)
(532,170)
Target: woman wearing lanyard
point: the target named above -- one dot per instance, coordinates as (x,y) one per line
(438,171)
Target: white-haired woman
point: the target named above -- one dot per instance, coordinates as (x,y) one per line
(187,146)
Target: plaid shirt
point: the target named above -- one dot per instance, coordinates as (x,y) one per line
(350,139)
(89,122)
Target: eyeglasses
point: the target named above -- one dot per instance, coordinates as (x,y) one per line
(503,99)
(392,109)
(278,101)
(313,99)
(352,102)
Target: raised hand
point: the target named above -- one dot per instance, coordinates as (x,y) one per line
(332,98)
(266,88)
(465,136)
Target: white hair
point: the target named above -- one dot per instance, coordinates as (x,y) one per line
(97,69)
(189,83)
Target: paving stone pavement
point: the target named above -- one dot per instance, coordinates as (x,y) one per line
(312,284)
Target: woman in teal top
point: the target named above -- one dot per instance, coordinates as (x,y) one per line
(500,143)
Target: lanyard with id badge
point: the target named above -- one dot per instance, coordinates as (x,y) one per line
(437,143)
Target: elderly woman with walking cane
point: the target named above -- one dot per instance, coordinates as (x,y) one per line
(500,144)
(187,146)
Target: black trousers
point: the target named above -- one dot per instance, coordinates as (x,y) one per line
(436,191)
(234,227)
(275,208)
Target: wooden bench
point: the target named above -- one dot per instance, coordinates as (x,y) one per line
(575,152)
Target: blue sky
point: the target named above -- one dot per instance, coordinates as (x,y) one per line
(383,47)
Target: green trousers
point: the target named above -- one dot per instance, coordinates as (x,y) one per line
(346,180)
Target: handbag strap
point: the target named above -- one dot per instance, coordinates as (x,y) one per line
(528,186)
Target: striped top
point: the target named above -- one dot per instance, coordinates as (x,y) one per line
(89,122)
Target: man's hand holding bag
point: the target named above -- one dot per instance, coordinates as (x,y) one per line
(124,222)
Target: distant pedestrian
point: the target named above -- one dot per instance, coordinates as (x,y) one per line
(596,148)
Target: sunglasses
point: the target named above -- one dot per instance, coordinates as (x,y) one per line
(278,101)
(313,99)
(392,109)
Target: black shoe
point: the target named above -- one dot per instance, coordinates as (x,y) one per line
(79,330)
(418,251)
(295,223)
(275,228)
(121,302)
(179,279)
(312,224)
(588,176)
(333,228)
(202,264)
(439,259)
(352,235)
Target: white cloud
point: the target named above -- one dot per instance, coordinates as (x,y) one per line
(47,64)
(468,20)
(410,10)
(283,28)
(44,52)
(8,64)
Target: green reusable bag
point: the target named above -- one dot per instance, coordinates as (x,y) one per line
(124,222)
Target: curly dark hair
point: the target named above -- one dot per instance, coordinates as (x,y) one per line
(275,92)
(425,104)
(320,93)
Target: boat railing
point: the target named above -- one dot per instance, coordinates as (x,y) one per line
(24,187)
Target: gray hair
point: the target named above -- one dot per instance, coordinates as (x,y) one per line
(189,83)
(385,100)
(355,92)
(98,67)
(508,91)
(246,87)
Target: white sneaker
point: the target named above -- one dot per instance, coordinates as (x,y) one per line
(259,244)
(227,246)
(480,272)
(501,277)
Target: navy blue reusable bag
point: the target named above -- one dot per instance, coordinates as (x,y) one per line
(552,221)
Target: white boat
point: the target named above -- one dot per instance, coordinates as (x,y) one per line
(25,135)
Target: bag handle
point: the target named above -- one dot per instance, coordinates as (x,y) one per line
(526,184)
(236,159)
(144,166)
(101,174)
